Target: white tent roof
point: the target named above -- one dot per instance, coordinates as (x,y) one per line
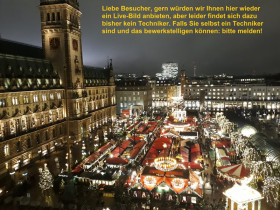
(242,194)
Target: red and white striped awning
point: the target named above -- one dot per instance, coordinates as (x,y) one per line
(236,171)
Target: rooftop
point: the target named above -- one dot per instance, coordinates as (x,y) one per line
(21,49)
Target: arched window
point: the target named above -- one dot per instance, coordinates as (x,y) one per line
(53,16)
(18,146)
(60,130)
(54,133)
(47,136)
(48,17)
(58,16)
(6,150)
(38,140)
(29,142)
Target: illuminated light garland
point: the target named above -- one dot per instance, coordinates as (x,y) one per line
(178,183)
(165,163)
(271,190)
(150,181)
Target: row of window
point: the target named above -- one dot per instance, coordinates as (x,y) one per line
(96,82)
(25,123)
(28,141)
(15,100)
(97,91)
(123,105)
(53,16)
(29,82)
(239,89)
(160,95)
(129,98)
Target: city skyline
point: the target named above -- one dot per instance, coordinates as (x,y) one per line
(74,137)
(246,54)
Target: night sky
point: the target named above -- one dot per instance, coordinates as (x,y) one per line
(213,54)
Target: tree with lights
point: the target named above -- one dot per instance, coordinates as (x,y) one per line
(271,190)
(46,179)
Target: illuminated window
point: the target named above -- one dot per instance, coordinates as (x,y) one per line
(14,100)
(51,96)
(25,99)
(35,98)
(58,95)
(2,102)
(6,150)
(44,97)
(39,82)
(19,83)
(29,82)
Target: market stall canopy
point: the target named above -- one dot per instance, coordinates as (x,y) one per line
(195,148)
(242,194)
(220,144)
(235,171)
(159,142)
(136,138)
(116,161)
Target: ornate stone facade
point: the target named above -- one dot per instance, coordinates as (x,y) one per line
(33,86)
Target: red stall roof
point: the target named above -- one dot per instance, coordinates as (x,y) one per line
(125,144)
(116,161)
(136,138)
(195,148)
(221,144)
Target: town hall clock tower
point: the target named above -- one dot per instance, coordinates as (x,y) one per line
(61,39)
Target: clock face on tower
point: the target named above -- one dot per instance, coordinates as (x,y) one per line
(75,44)
(54,43)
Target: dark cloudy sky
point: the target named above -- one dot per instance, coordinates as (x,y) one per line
(231,54)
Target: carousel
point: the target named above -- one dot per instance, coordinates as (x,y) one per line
(165,181)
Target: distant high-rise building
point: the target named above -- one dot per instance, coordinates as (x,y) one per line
(169,70)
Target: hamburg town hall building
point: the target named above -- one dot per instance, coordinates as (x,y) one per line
(43,91)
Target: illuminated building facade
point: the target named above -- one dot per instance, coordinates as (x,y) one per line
(220,92)
(133,93)
(163,91)
(35,84)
